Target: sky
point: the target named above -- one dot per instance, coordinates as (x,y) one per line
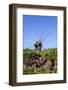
(42,28)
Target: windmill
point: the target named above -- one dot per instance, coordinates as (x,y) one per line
(38,45)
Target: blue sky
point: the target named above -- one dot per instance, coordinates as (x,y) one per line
(40,28)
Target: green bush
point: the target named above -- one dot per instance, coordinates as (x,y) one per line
(28,55)
(40,70)
(47,54)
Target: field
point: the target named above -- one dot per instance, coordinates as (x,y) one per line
(39,62)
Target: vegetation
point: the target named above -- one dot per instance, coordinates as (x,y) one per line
(44,61)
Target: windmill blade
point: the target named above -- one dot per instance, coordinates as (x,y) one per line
(33,38)
(47,42)
(31,47)
(45,36)
(41,36)
(30,41)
